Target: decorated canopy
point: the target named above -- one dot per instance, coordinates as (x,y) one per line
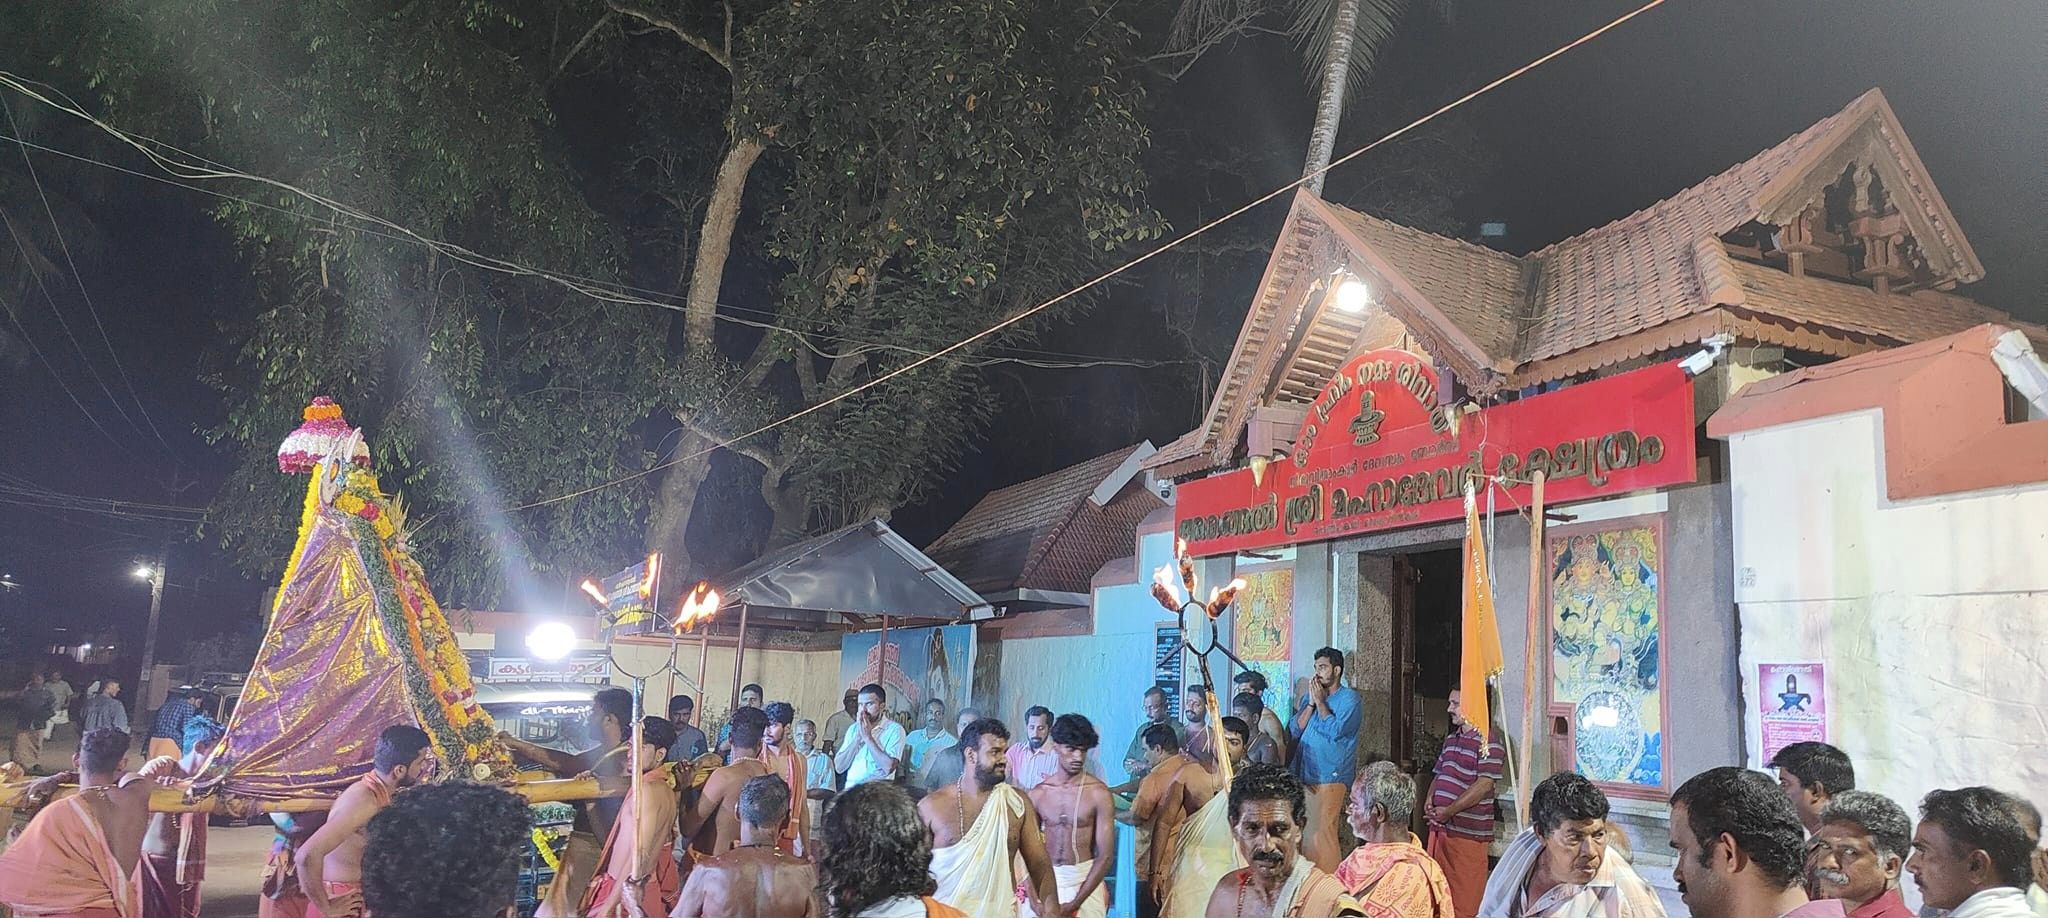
(356,642)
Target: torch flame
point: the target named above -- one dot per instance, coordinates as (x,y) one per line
(653,574)
(1221,599)
(591,589)
(698,607)
(1163,589)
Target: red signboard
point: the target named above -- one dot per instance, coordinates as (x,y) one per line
(1378,452)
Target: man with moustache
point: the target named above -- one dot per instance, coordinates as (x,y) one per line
(1740,848)
(931,738)
(1267,809)
(980,824)
(1972,854)
(1079,819)
(778,751)
(1568,872)
(1857,853)
(1461,806)
(1031,761)
(1199,745)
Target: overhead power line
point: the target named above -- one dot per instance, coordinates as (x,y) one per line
(78,278)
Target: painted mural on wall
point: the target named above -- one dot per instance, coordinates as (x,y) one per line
(1606,661)
(1262,632)
(915,665)
(1792,704)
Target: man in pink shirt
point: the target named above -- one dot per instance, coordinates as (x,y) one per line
(1033,760)
(1858,854)
(1741,849)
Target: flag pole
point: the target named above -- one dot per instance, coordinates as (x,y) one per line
(1536,622)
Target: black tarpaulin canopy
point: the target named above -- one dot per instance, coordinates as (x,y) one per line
(848,578)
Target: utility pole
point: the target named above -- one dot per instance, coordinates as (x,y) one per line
(155,575)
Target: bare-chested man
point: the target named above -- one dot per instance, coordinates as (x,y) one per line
(78,856)
(640,866)
(1079,819)
(712,823)
(331,862)
(1174,788)
(1267,809)
(611,718)
(980,824)
(755,879)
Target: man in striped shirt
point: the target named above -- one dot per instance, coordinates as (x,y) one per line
(1461,810)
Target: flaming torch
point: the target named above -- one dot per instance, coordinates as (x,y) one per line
(1162,589)
(698,607)
(596,593)
(1187,565)
(1220,600)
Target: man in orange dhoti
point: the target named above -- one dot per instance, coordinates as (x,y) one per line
(77,858)
(281,895)
(1390,874)
(790,765)
(331,862)
(638,877)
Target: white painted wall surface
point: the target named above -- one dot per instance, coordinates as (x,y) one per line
(1931,615)
(1102,676)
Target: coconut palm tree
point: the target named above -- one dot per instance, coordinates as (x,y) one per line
(1340,40)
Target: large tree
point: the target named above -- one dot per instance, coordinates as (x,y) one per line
(821,191)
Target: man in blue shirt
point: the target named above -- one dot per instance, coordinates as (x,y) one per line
(167,734)
(1326,735)
(690,741)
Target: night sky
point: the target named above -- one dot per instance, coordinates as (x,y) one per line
(1679,94)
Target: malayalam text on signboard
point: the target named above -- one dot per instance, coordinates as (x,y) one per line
(1377,451)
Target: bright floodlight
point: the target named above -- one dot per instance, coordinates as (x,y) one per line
(144,572)
(1352,295)
(551,640)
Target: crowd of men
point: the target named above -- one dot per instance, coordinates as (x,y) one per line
(1239,815)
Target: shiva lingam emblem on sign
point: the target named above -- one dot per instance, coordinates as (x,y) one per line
(1365,429)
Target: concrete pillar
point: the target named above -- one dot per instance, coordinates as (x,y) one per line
(1312,612)
(1371,667)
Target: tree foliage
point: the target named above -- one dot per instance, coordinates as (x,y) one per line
(930,166)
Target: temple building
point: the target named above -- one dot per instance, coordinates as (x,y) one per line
(1380,368)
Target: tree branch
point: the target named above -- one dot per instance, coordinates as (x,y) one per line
(577,48)
(722,57)
(745,447)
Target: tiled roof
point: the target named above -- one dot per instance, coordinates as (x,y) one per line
(1644,284)
(1046,534)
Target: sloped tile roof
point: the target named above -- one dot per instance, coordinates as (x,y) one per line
(1640,285)
(1045,534)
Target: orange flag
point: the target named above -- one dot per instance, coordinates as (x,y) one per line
(1482,655)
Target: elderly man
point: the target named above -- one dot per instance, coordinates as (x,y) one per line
(754,878)
(1972,854)
(1267,809)
(1562,867)
(1389,873)
(1810,773)
(1857,853)
(1740,848)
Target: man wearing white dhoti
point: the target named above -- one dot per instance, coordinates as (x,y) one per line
(980,826)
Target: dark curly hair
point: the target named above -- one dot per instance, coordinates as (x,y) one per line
(1565,797)
(1075,732)
(445,851)
(780,712)
(657,732)
(1259,781)
(875,849)
(1749,807)
(1987,820)
(100,751)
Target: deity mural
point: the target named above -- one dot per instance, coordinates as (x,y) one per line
(1263,630)
(1604,632)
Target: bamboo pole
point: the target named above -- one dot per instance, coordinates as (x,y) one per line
(1535,622)
(739,659)
(172,799)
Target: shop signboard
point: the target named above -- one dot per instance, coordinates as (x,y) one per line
(593,666)
(1378,450)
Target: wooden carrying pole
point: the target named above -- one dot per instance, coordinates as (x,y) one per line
(1535,621)
(172,799)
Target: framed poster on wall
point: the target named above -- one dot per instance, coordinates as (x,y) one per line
(1262,632)
(1605,604)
